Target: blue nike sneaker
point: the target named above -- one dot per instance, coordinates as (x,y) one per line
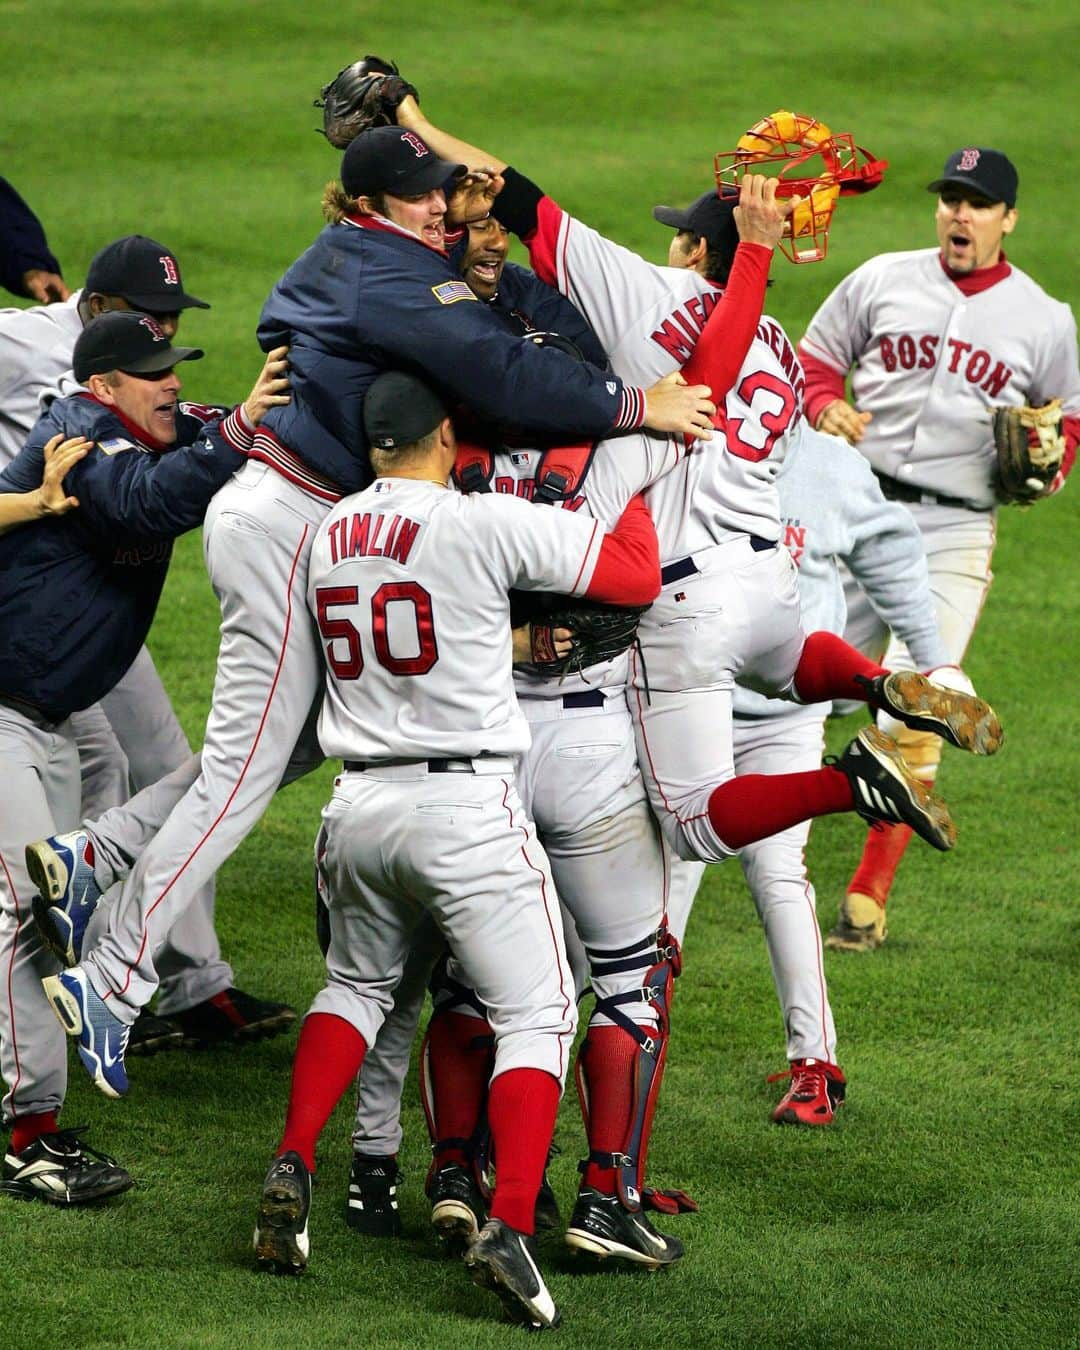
(102,1037)
(62,868)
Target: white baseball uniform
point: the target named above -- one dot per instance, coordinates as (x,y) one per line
(930,357)
(729,606)
(409,584)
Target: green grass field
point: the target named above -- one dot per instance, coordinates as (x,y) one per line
(942,1208)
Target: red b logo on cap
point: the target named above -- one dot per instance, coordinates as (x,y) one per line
(417,144)
(152,326)
(969,159)
(172,276)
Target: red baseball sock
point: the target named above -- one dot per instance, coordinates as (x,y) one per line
(827,670)
(328,1058)
(522,1105)
(881,855)
(25,1129)
(607,1059)
(461,1055)
(752,807)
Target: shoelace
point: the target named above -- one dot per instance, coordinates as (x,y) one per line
(807,1080)
(81,1152)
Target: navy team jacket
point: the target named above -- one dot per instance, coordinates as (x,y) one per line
(367,297)
(78,593)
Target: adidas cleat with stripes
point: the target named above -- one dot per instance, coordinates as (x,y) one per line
(962,719)
(884,789)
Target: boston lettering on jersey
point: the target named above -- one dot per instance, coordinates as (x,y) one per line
(369,535)
(922,352)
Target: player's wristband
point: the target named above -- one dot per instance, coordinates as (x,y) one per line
(517,204)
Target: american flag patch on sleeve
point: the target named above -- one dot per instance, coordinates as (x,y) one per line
(448,292)
(114,446)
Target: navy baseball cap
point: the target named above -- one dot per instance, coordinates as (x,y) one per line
(124,340)
(142,272)
(400,409)
(710,217)
(394,160)
(988,172)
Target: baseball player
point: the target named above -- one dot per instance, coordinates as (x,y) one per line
(426,815)
(729,603)
(373,289)
(80,594)
(832,510)
(934,339)
(132,738)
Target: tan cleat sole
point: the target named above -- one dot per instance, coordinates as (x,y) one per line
(860,925)
(964,720)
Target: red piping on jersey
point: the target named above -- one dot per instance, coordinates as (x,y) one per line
(551,928)
(11,968)
(251,753)
(971,283)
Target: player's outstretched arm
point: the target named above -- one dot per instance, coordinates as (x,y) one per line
(50,499)
(442,142)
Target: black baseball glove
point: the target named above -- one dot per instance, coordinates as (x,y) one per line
(1030,448)
(600,632)
(365,94)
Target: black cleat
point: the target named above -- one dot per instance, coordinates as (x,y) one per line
(962,719)
(885,789)
(600,1226)
(281,1231)
(504,1261)
(61,1170)
(457,1207)
(373,1206)
(232,1015)
(151,1034)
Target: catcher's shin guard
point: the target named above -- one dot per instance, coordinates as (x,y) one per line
(659,955)
(474,1145)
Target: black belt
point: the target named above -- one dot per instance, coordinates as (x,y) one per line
(585,698)
(432,765)
(686,567)
(908,492)
(30,711)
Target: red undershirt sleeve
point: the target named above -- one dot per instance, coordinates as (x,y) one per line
(627,570)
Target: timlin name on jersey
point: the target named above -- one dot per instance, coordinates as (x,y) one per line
(369,535)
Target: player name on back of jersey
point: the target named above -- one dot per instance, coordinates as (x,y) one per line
(373,534)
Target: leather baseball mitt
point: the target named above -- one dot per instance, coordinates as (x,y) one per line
(600,633)
(1030,448)
(365,94)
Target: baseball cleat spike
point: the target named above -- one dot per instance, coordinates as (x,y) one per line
(860,925)
(62,869)
(504,1261)
(281,1230)
(457,1207)
(601,1227)
(962,719)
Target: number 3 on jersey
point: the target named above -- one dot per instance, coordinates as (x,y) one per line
(770,403)
(395,607)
